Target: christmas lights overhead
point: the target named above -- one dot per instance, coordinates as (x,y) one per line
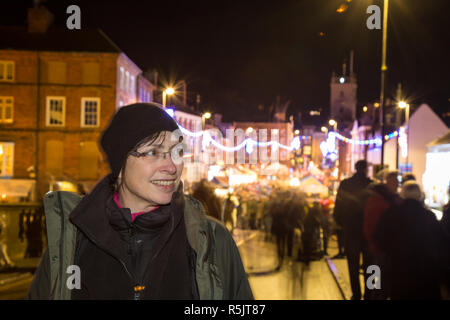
(247,143)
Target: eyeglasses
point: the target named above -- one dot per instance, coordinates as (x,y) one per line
(156,154)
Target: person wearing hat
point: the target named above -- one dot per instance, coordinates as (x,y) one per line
(136,235)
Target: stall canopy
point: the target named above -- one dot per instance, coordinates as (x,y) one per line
(275,168)
(312,185)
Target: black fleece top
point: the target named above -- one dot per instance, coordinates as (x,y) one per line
(149,258)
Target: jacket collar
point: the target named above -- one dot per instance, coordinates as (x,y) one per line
(93,215)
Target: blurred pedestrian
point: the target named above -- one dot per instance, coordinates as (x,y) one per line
(382,197)
(205,194)
(408,177)
(349,212)
(29,218)
(326,224)
(279,227)
(445,224)
(311,233)
(415,247)
(5,260)
(21,225)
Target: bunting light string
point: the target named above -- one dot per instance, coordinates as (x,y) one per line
(375,141)
(248,143)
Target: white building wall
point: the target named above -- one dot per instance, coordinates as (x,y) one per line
(425,126)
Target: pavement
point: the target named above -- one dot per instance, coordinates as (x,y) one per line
(290,279)
(23,268)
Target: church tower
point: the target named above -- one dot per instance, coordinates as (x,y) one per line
(343,95)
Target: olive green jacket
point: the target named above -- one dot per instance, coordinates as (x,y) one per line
(219,270)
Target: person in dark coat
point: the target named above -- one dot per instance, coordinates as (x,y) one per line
(21,225)
(348,213)
(136,235)
(311,232)
(206,195)
(415,247)
(382,197)
(29,233)
(445,224)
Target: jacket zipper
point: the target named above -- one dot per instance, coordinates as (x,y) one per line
(137,288)
(112,255)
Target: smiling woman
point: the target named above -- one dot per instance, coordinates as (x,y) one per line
(137,227)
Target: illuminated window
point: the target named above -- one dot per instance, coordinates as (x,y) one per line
(132,85)
(6,109)
(56,111)
(90,112)
(7,70)
(122,77)
(6,159)
(127,81)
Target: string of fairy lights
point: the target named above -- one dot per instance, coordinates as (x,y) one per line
(249,143)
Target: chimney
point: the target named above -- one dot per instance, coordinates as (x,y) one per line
(39,18)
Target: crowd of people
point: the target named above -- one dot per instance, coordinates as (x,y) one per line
(283,214)
(385,222)
(388,224)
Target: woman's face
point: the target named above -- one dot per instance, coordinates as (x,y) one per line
(150,180)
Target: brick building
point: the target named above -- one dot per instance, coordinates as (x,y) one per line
(58,91)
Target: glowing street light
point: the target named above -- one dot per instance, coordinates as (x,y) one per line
(168,91)
(324,129)
(297,132)
(206,115)
(333,123)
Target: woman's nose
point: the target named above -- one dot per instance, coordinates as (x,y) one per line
(167,164)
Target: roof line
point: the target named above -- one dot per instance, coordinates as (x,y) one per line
(109,40)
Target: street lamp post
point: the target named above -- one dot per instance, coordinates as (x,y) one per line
(206,115)
(383,75)
(168,91)
(333,123)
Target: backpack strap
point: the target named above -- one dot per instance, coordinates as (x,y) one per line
(61,235)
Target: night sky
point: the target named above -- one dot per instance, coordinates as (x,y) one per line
(241,54)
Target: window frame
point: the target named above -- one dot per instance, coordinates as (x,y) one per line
(3,107)
(83,111)
(127,81)
(5,70)
(132,90)
(4,163)
(47,111)
(122,77)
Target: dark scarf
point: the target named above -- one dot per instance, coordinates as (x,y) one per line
(154,248)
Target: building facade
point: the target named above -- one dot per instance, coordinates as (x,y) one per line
(58,91)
